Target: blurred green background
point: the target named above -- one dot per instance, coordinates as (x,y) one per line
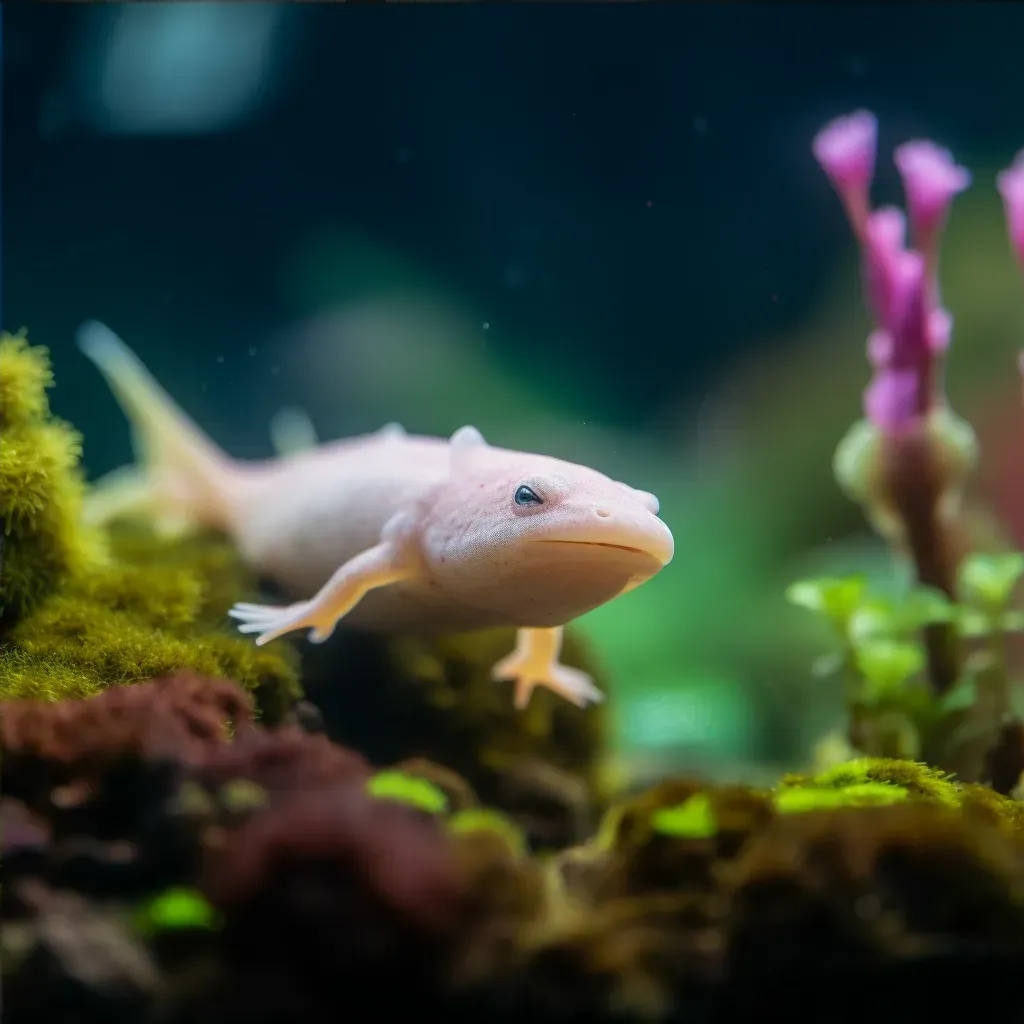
(592,231)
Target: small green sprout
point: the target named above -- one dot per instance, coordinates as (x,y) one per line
(175,910)
(887,665)
(800,800)
(408,789)
(692,819)
(485,820)
(988,581)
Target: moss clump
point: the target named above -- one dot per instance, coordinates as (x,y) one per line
(83,608)
(409,790)
(677,836)
(483,819)
(876,780)
(802,799)
(129,620)
(694,819)
(916,778)
(41,487)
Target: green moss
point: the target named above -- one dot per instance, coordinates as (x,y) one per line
(482,819)
(409,790)
(127,621)
(883,780)
(41,487)
(175,910)
(25,376)
(694,819)
(918,779)
(798,800)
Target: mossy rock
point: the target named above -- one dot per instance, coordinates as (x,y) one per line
(153,607)
(84,608)
(917,781)
(41,486)
(401,697)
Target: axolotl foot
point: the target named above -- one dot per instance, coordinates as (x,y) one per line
(273,621)
(534,662)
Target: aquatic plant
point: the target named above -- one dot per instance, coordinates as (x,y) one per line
(917,684)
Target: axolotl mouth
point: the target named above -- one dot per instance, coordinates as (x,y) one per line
(602,544)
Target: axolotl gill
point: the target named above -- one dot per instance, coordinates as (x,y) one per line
(394,532)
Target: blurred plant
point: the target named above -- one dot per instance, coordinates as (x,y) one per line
(925,671)
(409,790)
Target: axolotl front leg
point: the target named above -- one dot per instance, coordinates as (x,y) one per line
(533,663)
(392,560)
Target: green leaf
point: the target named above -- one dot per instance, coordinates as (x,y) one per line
(888,664)
(834,599)
(890,618)
(875,619)
(693,819)
(408,789)
(988,580)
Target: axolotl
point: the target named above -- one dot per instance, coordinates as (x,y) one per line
(395,532)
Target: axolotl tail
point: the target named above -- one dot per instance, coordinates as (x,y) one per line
(180,475)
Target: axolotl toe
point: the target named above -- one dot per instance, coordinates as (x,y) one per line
(393,532)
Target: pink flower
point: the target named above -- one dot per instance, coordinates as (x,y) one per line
(912,331)
(932,180)
(846,149)
(1011,187)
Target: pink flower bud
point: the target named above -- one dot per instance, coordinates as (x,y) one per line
(846,148)
(931,180)
(1011,187)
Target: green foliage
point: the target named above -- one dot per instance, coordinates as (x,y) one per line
(856,615)
(986,586)
(989,580)
(408,789)
(482,819)
(887,666)
(834,599)
(692,819)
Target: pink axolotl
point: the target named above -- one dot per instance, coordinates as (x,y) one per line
(391,532)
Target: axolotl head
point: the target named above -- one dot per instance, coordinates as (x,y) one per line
(535,541)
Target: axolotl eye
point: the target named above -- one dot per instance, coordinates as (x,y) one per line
(527,496)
